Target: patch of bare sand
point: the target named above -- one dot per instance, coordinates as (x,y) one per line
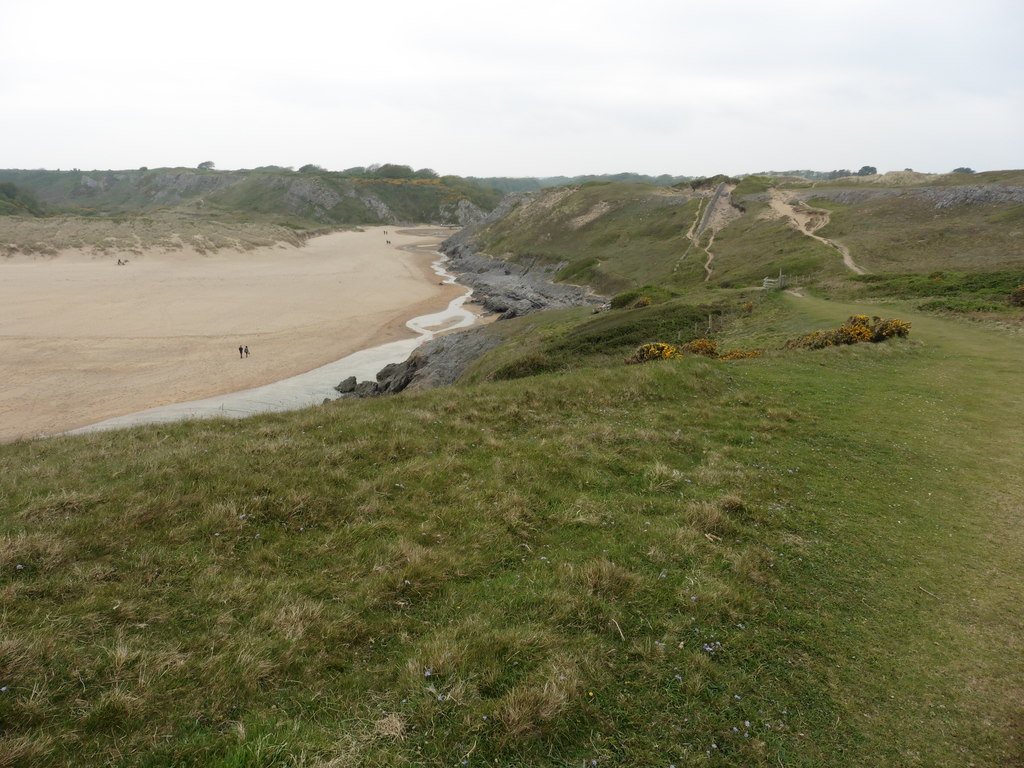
(82,339)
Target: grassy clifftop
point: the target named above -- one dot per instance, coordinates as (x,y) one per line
(312,198)
(813,557)
(129,211)
(792,559)
(620,236)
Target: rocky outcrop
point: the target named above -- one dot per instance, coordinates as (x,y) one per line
(505,288)
(305,194)
(379,208)
(512,290)
(463,213)
(436,363)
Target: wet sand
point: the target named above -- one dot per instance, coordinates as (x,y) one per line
(82,339)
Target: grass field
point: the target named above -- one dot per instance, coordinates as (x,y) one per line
(611,236)
(907,235)
(811,558)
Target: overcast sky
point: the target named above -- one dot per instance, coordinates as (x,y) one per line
(520,88)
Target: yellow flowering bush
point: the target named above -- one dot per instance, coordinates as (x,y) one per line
(740,354)
(653,351)
(704,347)
(888,329)
(856,329)
(643,301)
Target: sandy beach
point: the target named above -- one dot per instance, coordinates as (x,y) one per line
(83,339)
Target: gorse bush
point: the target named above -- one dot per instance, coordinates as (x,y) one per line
(740,354)
(857,329)
(703,347)
(648,293)
(1017,296)
(653,351)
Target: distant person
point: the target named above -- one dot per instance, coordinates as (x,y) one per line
(240,355)
(246,350)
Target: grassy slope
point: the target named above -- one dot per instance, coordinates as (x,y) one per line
(640,236)
(621,565)
(754,247)
(907,235)
(283,197)
(638,239)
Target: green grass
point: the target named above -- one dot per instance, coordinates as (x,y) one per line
(754,247)
(268,196)
(621,564)
(612,236)
(810,558)
(580,339)
(15,201)
(901,234)
(965,285)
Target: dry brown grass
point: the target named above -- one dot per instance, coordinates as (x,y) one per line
(605,578)
(133,236)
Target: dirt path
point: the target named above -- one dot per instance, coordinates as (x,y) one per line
(807,221)
(718,213)
(711,257)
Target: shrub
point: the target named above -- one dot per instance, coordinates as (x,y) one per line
(653,351)
(888,329)
(856,329)
(643,301)
(1017,296)
(624,299)
(653,293)
(704,347)
(528,365)
(959,305)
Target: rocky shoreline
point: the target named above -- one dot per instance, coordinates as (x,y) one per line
(502,288)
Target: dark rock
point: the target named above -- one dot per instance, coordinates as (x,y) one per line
(397,376)
(503,288)
(348,385)
(365,389)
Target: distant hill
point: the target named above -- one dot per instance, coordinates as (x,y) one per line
(310,198)
(724,233)
(530,183)
(15,200)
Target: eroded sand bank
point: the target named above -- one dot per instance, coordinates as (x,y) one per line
(82,339)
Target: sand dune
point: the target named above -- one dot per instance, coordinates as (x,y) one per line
(82,339)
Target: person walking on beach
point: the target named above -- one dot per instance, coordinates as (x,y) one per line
(246,350)
(240,353)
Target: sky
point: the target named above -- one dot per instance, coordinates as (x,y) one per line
(522,88)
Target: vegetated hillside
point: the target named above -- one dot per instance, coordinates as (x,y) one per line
(298,199)
(620,236)
(979,227)
(16,201)
(811,557)
(611,236)
(781,560)
(530,183)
